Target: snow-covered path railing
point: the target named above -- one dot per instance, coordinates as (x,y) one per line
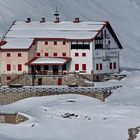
(58,89)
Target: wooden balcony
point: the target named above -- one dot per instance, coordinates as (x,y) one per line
(47,73)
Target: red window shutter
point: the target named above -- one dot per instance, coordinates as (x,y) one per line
(19,54)
(19,67)
(55,54)
(76,54)
(83,54)
(8,54)
(111,66)
(101,67)
(55,42)
(114,65)
(63,54)
(8,67)
(84,67)
(8,78)
(97,66)
(76,66)
(38,54)
(46,54)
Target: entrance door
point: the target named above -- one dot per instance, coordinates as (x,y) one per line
(55,70)
(59,81)
(39,81)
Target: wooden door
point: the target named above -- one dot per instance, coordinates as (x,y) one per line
(59,81)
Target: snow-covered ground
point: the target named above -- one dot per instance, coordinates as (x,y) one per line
(96,120)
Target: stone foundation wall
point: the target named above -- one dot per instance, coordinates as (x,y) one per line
(29,80)
(98,78)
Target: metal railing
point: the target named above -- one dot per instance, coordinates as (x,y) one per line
(58,90)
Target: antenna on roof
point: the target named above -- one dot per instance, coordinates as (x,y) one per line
(56,14)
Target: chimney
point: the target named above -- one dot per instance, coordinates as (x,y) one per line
(76,20)
(28,20)
(42,20)
(57,20)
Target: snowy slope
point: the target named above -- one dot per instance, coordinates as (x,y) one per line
(95,121)
(123,15)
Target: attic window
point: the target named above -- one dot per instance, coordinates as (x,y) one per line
(19,54)
(8,54)
(55,42)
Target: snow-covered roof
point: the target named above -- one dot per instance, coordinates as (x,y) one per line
(45,60)
(17,43)
(22,33)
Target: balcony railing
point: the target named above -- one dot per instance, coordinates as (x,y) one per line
(47,73)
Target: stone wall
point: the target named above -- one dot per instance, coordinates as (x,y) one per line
(12,118)
(8,98)
(27,80)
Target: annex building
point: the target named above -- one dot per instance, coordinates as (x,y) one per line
(43,52)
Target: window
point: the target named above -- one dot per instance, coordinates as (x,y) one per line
(55,54)
(76,66)
(19,54)
(19,67)
(55,42)
(46,42)
(8,67)
(110,65)
(64,67)
(76,54)
(46,54)
(64,42)
(114,65)
(46,67)
(8,54)
(80,45)
(101,67)
(97,66)
(8,78)
(84,67)
(83,54)
(38,54)
(63,54)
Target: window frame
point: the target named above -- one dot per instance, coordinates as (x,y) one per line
(84,67)
(8,67)
(76,67)
(76,54)
(19,55)
(8,54)
(19,67)
(64,54)
(38,54)
(55,54)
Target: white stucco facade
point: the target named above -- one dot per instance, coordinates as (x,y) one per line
(109,54)
(80,59)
